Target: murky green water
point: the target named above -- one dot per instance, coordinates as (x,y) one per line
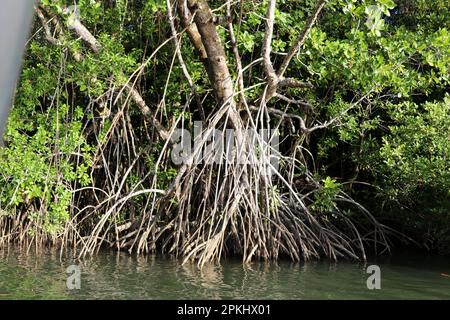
(121,276)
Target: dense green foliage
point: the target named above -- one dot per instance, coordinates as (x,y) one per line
(381,68)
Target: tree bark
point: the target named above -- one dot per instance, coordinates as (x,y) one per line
(218,72)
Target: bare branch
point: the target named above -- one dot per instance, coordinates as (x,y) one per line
(267,42)
(76,25)
(218,72)
(48,33)
(237,57)
(276,80)
(301,38)
(85,34)
(293,101)
(191,29)
(293,83)
(181,61)
(147,112)
(272,78)
(287,116)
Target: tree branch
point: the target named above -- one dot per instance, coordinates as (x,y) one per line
(275,80)
(293,101)
(181,61)
(95,46)
(267,42)
(237,57)
(301,38)
(48,33)
(191,29)
(147,112)
(284,115)
(293,83)
(218,72)
(272,78)
(76,25)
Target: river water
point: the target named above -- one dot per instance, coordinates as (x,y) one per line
(111,275)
